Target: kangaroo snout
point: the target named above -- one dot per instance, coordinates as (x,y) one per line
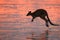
(26,15)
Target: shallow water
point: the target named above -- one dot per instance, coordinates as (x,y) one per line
(25,30)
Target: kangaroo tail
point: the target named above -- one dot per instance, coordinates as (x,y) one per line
(51,22)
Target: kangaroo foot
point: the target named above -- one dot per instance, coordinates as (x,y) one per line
(47,25)
(31,20)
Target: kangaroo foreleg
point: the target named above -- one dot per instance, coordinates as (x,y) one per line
(32,19)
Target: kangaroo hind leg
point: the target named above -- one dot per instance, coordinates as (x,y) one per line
(46,21)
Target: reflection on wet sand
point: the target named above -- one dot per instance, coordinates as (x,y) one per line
(29,35)
(43,36)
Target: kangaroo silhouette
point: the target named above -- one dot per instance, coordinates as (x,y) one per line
(42,14)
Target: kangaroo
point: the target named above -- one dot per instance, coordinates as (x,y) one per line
(42,14)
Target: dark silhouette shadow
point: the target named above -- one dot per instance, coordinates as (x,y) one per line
(47,34)
(43,36)
(42,14)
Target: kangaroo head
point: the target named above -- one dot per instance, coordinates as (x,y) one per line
(28,13)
